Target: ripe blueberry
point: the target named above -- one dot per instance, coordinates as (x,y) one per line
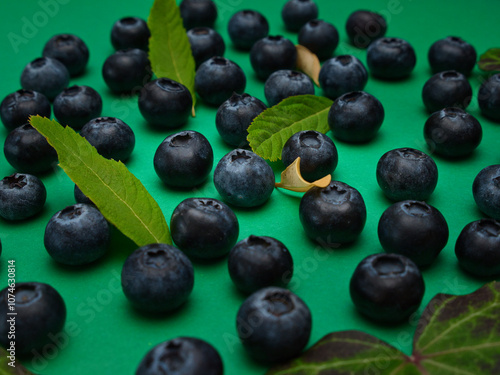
(205,43)
(16,108)
(77,105)
(319,37)
(390,58)
(246,27)
(486,191)
(80,197)
(295,13)
(21,196)
(364,26)
(342,74)
(130,32)
(488,97)
(285,83)
(127,71)
(446,89)
(45,75)
(70,50)
(452,53)
(272,53)
(198,13)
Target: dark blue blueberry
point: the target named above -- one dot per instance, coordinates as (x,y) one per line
(295,13)
(21,196)
(127,71)
(342,74)
(356,117)
(70,50)
(364,26)
(272,53)
(274,325)
(45,75)
(157,278)
(204,228)
(198,13)
(130,32)
(318,154)
(452,53)
(184,159)
(257,262)
(407,173)
(387,288)
(217,79)
(446,89)
(319,37)
(235,115)
(333,215)
(488,97)
(205,43)
(80,197)
(182,356)
(16,108)
(244,179)
(77,105)
(246,27)
(77,235)
(40,315)
(285,83)
(486,191)
(390,58)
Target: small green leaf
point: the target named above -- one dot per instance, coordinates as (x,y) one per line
(271,129)
(9,367)
(169,49)
(118,194)
(490,60)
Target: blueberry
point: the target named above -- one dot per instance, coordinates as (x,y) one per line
(165,103)
(246,27)
(16,108)
(356,117)
(387,288)
(488,97)
(80,197)
(198,13)
(77,235)
(257,262)
(235,115)
(452,53)
(21,196)
(342,74)
(157,278)
(77,105)
(446,89)
(295,13)
(28,151)
(130,32)
(217,79)
(274,325)
(244,179)
(285,83)
(127,71)
(45,75)
(364,26)
(205,43)
(182,356)
(406,173)
(333,215)
(452,132)
(204,228)
(40,315)
(70,50)
(390,58)
(272,53)
(184,159)
(319,37)
(318,154)
(486,191)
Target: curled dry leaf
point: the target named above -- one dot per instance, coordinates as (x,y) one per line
(308,62)
(291,179)
(490,60)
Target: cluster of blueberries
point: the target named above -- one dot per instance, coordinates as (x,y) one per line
(384,287)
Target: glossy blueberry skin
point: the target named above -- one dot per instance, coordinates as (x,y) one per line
(182,356)
(285,83)
(28,151)
(486,191)
(41,314)
(387,288)
(446,89)
(235,115)
(157,278)
(390,58)
(184,159)
(452,53)
(319,37)
(488,97)
(356,117)
(452,132)
(165,104)
(204,228)
(406,173)
(364,26)
(77,105)
(342,74)
(272,53)
(284,329)
(317,152)
(246,27)
(70,50)
(21,196)
(478,248)
(130,32)
(77,235)
(244,179)
(257,262)
(112,138)
(127,71)
(205,43)
(295,13)
(198,13)
(16,108)
(46,75)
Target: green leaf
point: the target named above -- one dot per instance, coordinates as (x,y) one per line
(271,129)
(169,49)
(490,60)
(6,369)
(118,194)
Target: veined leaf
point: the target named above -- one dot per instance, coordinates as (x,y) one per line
(291,179)
(116,192)
(271,129)
(490,60)
(6,369)
(308,63)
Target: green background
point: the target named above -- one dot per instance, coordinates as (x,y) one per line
(103,334)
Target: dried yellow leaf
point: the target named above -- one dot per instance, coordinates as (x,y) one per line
(291,179)
(308,62)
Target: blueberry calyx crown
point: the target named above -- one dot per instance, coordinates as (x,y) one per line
(392,42)
(64,39)
(258,241)
(15,180)
(181,140)
(128,21)
(26,293)
(344,59)
(168,85)
(219,60)
(156,258)
(275,38)
(336,193)
(450,75)
(352,96)
(236,99)
(278,303)
(388,265)
(210,203)
(73,90)
(416,208)
(310,139)
(105,120)
(70,212)
(240,155)
(39,62)
(410,153)
(200,31)
(25,94)
(453,112)
(489,227)
(496,181)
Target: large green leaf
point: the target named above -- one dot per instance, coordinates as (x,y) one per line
(271,129)
(118,194)
(490,60)
(11,367)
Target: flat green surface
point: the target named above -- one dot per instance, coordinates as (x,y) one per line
(103,334)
